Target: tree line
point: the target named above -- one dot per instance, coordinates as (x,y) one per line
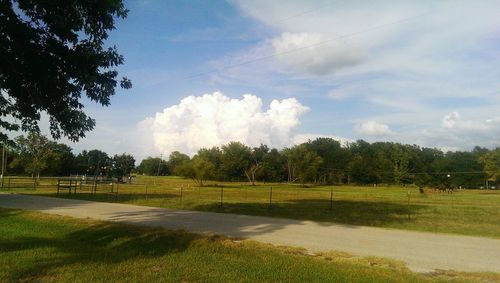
(319,161)
(35,155)
(327,161)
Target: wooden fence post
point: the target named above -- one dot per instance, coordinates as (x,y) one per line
(221,196)
(182,186)
(331,199)
(270,197)
(408,193)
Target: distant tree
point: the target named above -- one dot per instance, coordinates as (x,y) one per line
(203,170)
(362,167)
(305,163)
(491,164)
(198,169)
(256,163)
(236,159)
(400,158)
(81,163)
(335,159)
(14,167)
(122,165)
(52,52)
(60,161)
(354,168)
(385,164)
(35,154)
(175,159)
(462,161)
(214,156)
(34,151)
(251,171)
(425,172)
(185,169)
(153,165)
(273,166)
(440,168)
(93,163)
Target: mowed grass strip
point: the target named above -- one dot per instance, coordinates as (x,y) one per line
(466,212)
(45,248)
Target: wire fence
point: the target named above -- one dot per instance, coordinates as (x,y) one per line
(221,195)
(431,210)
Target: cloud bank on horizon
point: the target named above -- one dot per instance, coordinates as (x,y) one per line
(216,119)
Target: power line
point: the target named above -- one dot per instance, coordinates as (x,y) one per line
(300,14)
(284,19)
(413,173)
(344,36)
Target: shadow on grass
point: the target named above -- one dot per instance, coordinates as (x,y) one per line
(197,221)
(342,211)
(352,212)
(100,243)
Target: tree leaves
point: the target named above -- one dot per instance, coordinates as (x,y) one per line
(51,52)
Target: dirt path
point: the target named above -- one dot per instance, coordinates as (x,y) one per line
(421,251)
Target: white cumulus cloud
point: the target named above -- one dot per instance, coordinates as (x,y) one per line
(215,119)
(373,128)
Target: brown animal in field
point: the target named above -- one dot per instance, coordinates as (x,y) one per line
(448,190)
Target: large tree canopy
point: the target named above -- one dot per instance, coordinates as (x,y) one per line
(52,52)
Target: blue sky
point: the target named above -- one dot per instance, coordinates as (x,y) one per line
(424,72)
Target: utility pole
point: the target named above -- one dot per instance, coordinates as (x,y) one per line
(4,162)
(159,165)
(3,158)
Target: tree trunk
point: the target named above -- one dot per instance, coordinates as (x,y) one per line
(248,177)
(289,172)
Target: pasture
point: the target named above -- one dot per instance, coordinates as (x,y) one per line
(465,212)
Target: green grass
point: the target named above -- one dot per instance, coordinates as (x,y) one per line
(37,247)
(466,212)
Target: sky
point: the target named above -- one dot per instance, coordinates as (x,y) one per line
(281,72)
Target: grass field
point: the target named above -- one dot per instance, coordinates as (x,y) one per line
(37,247)
(466,212)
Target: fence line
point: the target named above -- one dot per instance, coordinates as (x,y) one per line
(292,200)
